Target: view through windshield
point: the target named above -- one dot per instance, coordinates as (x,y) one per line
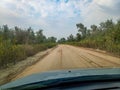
(38,36)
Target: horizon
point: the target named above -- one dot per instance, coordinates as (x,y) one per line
(57,17)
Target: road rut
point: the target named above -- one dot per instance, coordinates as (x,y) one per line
(70,57)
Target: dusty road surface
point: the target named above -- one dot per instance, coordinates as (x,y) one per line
(70,57)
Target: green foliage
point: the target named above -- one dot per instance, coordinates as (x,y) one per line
(82,29)
(18,44)
(105,37)
(71,38)
(10,54)
(62,40)
(51,39)
(40,38)
(78,37)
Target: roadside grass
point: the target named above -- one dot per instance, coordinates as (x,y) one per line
(10,54)
(113,49)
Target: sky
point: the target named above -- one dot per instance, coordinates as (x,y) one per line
(57,17)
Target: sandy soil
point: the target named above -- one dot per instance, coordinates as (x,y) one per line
(70,57)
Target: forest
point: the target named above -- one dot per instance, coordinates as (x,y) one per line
(105,36)
(17,44)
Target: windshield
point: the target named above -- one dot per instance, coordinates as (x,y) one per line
(38,36)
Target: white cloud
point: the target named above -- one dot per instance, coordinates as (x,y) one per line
(100,10)
(57,17)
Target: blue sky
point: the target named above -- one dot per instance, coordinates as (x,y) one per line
(57,17)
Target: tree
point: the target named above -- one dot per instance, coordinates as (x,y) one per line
(88,32)
(5,32)
(40,38)
(62,40)
(94,28)
(20,36)
(118,22)
(106,25)
(52,39)
(82,29)
(30,36)
(70,38)
(78,36)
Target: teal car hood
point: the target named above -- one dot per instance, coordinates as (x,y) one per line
(55,77)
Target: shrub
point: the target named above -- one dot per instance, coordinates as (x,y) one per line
(10,54)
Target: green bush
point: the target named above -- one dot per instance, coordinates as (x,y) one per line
(29,50)
(10,54)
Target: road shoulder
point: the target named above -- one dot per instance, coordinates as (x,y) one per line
(6,75)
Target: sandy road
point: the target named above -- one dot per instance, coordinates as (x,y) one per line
(70,57)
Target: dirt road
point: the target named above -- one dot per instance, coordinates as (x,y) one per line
(70,57)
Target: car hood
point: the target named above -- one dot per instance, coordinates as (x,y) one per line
(54,77)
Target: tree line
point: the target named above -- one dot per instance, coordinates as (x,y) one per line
(17,44)
(24,36)
(105,36)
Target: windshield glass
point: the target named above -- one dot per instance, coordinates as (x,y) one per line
(39,36)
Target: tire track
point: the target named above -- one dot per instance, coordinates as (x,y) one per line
(105,59)
(70,57)
(94,64)
(93,61)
